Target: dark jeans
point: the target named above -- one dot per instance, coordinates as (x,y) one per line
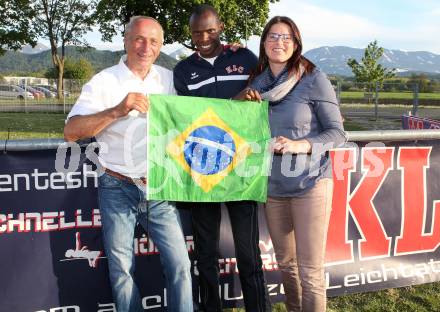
(206,218)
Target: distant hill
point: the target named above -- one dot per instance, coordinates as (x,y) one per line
(333,60)
(13,62)
(27,49)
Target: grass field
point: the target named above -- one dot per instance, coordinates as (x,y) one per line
(31,125)
(390,95)
(345,95)
(421,298)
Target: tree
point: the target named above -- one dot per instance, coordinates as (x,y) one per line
(81,69)
(14,25)
(62,23)
(369,70)
(242,18)
(423,82)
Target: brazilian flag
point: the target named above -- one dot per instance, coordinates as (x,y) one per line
(207,150)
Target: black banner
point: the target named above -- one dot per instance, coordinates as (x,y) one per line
(384,231)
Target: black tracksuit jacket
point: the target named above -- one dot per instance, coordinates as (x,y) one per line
(194,76)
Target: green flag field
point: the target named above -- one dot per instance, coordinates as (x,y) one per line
(207,150)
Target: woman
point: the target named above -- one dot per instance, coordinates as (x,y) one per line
(305,122)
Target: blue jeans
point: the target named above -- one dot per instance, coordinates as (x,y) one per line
(122,205)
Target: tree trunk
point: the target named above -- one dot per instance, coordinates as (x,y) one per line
(60,86)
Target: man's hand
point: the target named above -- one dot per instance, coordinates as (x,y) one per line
(248,94)
(133,101)
(87,126)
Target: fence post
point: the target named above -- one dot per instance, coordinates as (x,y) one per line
(376,101)
(25,95)
(338,91)
(64,97)
(415,99)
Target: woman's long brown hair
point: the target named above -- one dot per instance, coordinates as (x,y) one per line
(295,60)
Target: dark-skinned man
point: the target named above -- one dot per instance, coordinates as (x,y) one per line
(216,71)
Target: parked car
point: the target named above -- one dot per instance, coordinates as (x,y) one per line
(54,90)
(14,92)
(47,93)
(37,94)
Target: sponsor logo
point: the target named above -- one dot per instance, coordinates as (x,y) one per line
(47,221)
(375,243)
(83,253)
(234,69)
(39,180)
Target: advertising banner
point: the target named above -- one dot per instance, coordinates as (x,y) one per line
(415,122)
(384,230)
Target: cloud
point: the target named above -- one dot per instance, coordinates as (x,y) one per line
(435,12)
(321,26)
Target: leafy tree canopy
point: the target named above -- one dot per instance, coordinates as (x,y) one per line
(242,18)
(369,70)
(14,25)
(81,69)
(62,23)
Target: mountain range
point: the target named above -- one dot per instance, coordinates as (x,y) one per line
(18,62)
(332,60)
(27,49)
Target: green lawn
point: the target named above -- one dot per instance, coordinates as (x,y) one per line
(422,298)
(389,95)
(31,125)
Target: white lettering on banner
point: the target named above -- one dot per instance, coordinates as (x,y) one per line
(46,221)
(144,246)
(62,309)
(225,293)
(157,301)
(385,273)
(82,252)
(106,307)
(40,181)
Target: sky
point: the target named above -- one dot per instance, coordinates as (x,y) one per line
(396,24)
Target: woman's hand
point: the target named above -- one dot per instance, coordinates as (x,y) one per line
(248,94)
(284,145)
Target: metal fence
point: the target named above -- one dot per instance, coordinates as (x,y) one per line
(353,136)
(38,95)
(384,104)
(358,100)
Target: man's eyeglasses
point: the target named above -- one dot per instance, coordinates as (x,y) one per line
(274,37)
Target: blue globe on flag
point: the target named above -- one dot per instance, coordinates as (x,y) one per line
(209,150)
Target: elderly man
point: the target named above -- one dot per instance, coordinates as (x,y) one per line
(112,107)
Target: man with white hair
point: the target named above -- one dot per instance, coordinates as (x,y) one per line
(112,108)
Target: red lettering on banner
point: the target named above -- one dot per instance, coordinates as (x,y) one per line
(339,248)
(376,162)
(413,162)
(415,124)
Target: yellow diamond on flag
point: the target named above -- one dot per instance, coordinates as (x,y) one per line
(208,150)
